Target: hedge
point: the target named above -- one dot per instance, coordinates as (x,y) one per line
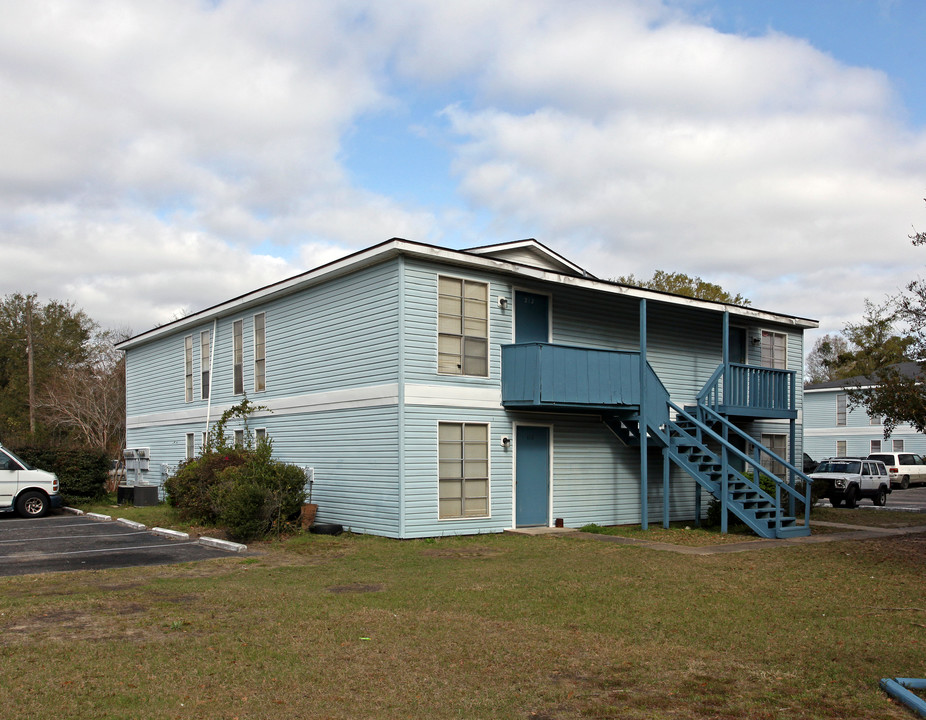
(82,474)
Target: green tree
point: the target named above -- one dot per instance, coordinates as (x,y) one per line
(821,365)
(681,284)
(37,341)
(895,395)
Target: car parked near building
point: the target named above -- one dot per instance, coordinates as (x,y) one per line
(904,468)
(851,479)
(24,489)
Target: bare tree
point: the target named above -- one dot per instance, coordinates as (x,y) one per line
(89,399)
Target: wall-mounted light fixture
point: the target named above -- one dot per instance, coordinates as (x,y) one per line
(755,340)
(506,442)
(502,302)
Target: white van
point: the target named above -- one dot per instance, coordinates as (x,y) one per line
(23,489)
(904,467)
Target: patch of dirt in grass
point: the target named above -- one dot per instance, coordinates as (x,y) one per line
(869,518)
(461,552)
(907,550)
(355,588)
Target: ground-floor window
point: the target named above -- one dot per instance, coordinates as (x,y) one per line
(840,448)
(897,445)
(190,449)
(463,456)
(875,446)
(778,444)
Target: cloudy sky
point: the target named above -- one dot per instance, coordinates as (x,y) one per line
(159,157)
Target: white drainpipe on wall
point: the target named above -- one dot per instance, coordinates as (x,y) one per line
(215,327)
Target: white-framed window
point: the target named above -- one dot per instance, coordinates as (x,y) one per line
(875,446)
(203,440)
(841,448)
(778,444)
(774,350)
(463,460)
(205,362)
(463,327)
(188,368)
(260,434)
(260,357)
(841,409)
(874,419)
(897,445)
(238,357)
(239,438)
(190,446)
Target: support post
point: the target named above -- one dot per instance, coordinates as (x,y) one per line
(726,356)
(792,456)
(644,464)
(665,487)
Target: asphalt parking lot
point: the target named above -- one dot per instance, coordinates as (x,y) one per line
(912,499)
(60,542)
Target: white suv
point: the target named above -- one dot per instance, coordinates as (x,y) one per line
(28,491)
(850,479)
(904,468)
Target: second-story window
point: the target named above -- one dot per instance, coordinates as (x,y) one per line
(188,368)
(205,361)
(238,356)
(260,367)
(774,350)
(841,409)
(463,327)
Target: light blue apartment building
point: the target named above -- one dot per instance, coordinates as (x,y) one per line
(439,392)
(833,428)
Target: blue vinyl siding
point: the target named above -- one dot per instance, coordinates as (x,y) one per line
(821,432)
(339,336)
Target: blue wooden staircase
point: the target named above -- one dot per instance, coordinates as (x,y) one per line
(624,390)
(706,456)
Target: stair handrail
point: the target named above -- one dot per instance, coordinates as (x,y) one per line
(758,469)
(711,389)
(798,473)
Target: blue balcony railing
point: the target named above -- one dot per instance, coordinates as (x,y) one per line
(751,390)
(536,374)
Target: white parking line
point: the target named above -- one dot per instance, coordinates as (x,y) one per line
(68,537)
(38,556)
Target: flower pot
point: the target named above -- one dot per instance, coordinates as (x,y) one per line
(307,516)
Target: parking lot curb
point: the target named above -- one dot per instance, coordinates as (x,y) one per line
(131,523)
(73,511)
(171,533)
(223,544)
(98,516)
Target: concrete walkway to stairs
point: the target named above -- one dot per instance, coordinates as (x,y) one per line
(852,532)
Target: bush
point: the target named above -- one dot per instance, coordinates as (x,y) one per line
(189,489)
(252,498)
(244,490)
(82,473)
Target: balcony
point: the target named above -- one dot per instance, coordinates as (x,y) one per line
(751,391)
(543,376)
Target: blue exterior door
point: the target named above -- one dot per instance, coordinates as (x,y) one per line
(531,317)
(532,475)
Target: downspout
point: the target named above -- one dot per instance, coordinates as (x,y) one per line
(400,399)
(215,326)
(644,463)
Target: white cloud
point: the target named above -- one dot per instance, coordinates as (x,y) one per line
(158,155)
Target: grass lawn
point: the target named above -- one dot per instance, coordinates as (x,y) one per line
(479,627)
